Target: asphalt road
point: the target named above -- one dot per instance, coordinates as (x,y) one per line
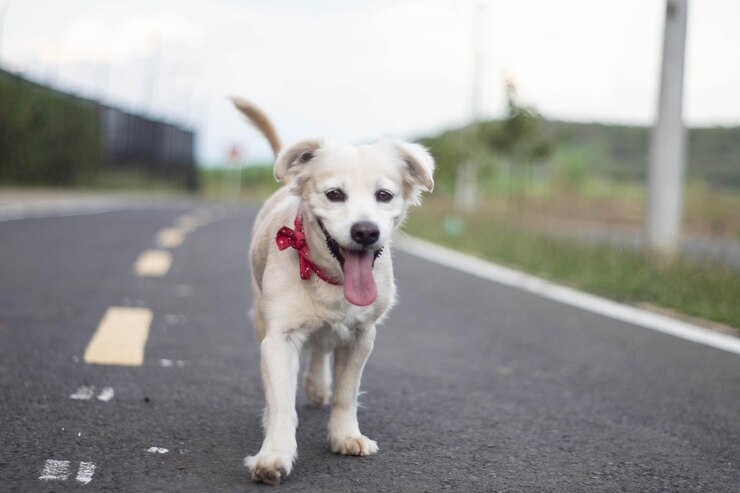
(472,386)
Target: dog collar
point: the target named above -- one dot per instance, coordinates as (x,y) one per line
(296,238)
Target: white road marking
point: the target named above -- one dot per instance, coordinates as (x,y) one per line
(76,206)
(60,208)
(153,263)
(106,394)
(168,363)
(170,238)
(120,337)
(83,393)
(86,392)
(55,470)
(157,450)
(85,472)
(568,296)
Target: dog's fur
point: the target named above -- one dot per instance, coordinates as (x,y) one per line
(290,313)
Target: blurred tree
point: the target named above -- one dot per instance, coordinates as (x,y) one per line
(520,136)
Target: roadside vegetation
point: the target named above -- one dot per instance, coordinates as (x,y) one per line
(565,201)
(45,137)
(129,180)
(253,183)
(699,289)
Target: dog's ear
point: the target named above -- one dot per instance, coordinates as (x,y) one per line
(419,170)
(290,159)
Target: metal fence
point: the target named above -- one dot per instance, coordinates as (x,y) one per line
(134,141)
(127,140)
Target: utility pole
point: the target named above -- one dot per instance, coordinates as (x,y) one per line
(668,143)
(466,178)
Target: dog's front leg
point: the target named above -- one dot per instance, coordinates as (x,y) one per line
(279,364)
(349,360)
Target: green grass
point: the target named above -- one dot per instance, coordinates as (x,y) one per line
(254,183)
(129,180)
(701,290)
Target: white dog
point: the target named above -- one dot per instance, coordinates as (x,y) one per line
(322,277)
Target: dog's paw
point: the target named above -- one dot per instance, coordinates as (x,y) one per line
(269,467)
(317,391)
(354,445)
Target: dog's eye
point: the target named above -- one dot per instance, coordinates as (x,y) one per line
(335,195)
(383,196)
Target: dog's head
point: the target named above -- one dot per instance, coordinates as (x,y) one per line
(358,196)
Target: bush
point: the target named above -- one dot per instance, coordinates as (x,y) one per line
(45,137)
(571,168)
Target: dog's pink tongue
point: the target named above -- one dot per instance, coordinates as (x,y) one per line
(359,284)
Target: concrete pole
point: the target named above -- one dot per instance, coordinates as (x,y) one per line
(668,143)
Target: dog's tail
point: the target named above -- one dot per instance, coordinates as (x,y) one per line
(259,119)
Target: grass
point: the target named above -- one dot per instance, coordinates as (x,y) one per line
(708,211)
(254,183)
(703,290)
(129,179)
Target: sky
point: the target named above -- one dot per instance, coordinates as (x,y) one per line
(361,70)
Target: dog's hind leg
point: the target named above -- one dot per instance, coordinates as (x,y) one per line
(318,373)
(258,319)
(344,430)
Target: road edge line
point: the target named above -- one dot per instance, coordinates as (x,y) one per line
(507,276)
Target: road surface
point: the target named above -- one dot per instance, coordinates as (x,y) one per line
(473,386)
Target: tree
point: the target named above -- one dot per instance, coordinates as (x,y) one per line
(520,137)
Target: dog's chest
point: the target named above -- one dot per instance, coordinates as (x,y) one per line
(340,331)
(340,321)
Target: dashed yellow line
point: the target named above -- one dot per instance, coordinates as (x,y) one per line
(153,263)
(187,222)
(120,337)
(170,238)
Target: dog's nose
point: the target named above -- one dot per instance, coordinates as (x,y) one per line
(365,233)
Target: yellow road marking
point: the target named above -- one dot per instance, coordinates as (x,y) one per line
(153,263)
(170,238)
(188,222)
(120,337)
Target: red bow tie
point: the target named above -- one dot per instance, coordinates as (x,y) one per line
(287,237)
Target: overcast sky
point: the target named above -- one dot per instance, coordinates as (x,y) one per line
(359,70)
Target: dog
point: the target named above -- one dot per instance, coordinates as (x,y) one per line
(322,278)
